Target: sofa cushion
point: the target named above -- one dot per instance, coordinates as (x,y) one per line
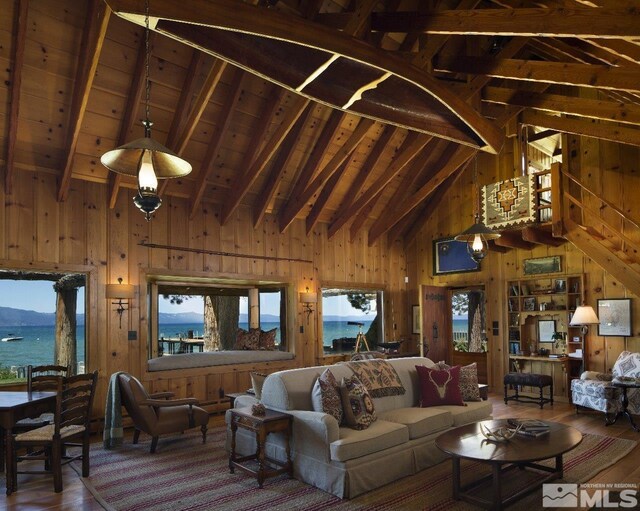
(325,396)
(469,382)
(379,436)
(420,421)
(472,412)
(357,406)
(439,387)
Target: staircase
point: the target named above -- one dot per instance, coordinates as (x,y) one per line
(597,227)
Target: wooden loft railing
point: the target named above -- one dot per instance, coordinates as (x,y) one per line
(597,227)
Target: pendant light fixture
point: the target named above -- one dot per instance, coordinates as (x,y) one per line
(477,236)
(146,158)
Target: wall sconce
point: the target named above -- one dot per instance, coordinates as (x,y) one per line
(584,316)
(121,292)
(307,299)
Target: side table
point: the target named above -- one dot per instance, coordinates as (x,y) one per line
(261,425)
(625,384)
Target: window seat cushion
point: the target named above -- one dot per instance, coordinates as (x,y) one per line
(215,358)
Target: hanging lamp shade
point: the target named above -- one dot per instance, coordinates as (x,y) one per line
(476,238)
(126,159)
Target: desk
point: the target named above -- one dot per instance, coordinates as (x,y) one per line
(557,368)
(15,406)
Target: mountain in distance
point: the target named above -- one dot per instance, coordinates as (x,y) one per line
(19,317)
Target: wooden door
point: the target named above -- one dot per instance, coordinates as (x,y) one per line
(436,322)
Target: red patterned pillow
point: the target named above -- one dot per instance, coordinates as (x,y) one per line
(268,339)
(247,340)
(439,387)
(359,412)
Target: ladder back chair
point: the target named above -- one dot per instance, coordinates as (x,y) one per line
(40,379)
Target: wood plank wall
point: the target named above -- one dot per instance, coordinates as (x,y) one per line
(83,234)
(609,169)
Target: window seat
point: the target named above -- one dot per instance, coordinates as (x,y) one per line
(215,358)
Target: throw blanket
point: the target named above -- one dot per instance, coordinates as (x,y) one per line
(379,377)
(112,434)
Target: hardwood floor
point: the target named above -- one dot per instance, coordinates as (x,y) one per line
(36,492)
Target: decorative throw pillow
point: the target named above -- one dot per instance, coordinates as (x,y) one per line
(439,387)
(442,365)
(357,404)
(247,340)
(325,396)
(469,382)
(268,339)
(257,381)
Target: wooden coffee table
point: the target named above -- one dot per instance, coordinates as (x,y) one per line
(467,442)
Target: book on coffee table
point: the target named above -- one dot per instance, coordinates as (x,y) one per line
(529,425)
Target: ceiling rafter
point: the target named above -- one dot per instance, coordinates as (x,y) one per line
(222,124)
(17,58)
(136,88)
(91,47)
(279,168)
(533,22)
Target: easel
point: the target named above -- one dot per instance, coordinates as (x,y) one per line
(360,338)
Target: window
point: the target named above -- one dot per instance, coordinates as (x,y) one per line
(206,317)
(345,313)
(41,321)
(468,313)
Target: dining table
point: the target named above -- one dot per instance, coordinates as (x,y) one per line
(14,406)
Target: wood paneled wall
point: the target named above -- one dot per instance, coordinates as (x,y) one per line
(611,170)
(83,234)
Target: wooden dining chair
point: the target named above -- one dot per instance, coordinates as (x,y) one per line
(71,424)
(40,379)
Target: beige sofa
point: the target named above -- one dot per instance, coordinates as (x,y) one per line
(348,462)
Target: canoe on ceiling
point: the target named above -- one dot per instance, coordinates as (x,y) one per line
(319,62)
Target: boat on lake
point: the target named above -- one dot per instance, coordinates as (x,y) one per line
(11,338)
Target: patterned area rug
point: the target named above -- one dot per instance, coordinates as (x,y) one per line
(186,475)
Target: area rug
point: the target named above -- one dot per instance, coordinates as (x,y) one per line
(186,475)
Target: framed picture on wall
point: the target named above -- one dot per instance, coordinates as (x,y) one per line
(615,317)
(451,256)
(415,319)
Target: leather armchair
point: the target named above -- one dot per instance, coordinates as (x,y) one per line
(158,414)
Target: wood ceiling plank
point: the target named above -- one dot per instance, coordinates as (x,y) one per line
(412,145)
(615,111)
(325,195)
(129,114)
(224,120)
(548,22)
(279,167)
(92,40)
(17,57)
(611,132)
(298,203)
(593,76)
(241,188)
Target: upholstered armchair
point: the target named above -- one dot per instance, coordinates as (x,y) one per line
(596,390)
(157,414)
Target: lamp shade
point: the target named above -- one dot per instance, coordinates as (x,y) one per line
(119,291)
(477,229)
(308,297)
(584,315)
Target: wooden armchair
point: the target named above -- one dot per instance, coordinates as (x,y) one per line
(157,414)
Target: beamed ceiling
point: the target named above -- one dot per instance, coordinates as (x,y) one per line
(458,72)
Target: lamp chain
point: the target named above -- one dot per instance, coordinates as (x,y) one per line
(476,190)
(146,122)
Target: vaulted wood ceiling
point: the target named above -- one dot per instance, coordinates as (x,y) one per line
(74,88)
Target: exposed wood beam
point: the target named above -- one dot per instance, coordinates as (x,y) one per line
(586,23)
(511,239)
(541,136)
(496,248)
(582,107)
(241,186)
(91,46)
(612,132)
(593,76)
(136,89)
(186,93)
(298,203)
(462,155)
(411,146)
(623,49)
(17,57)
(222,124)
(325,195)
(279,167)
(541,237)
(304,176)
